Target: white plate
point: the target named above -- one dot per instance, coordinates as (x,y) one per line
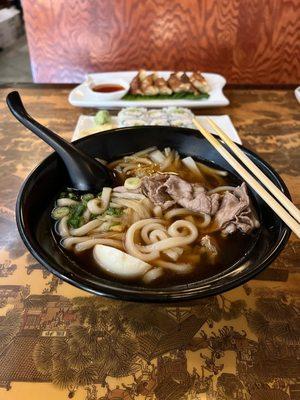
(224,121)
(81,96)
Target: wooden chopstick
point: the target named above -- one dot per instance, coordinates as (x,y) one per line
(293,210)
(272,203)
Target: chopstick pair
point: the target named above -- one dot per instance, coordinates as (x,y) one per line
(292,219)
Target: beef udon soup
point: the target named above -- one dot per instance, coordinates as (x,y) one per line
(171,220)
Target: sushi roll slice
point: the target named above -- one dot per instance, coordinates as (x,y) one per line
(159,121)
(155,114)
(131,113)
(133,122)
(180,123)
(179,113)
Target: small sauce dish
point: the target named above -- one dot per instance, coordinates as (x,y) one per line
(107,89)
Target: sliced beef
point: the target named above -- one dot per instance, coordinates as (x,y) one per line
(191,195)
(236,213)
(165,190)
(154,188)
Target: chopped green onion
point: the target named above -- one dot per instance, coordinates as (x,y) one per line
(60,212)
(76,219)
(72,196)
(87,197)
(132,183)
(115,212)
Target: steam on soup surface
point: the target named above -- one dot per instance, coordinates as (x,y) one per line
(171,220)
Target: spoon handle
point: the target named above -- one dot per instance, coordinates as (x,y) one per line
(85,173)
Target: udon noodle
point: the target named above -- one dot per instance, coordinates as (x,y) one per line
(169,220)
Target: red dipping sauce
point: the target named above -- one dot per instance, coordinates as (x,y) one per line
(107,88)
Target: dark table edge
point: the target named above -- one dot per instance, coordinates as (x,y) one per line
(235,86)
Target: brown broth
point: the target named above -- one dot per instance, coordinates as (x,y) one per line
(231,250)
(107,88)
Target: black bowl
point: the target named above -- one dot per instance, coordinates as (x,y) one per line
(39,191)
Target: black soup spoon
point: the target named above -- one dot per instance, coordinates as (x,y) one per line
(85,173)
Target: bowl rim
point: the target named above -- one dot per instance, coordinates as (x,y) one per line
(143,295)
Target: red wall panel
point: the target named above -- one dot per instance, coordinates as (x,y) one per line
(248,41)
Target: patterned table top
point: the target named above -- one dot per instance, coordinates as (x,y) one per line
(58,342)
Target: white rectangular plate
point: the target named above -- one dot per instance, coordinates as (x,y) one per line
(87,122)
(82,96)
